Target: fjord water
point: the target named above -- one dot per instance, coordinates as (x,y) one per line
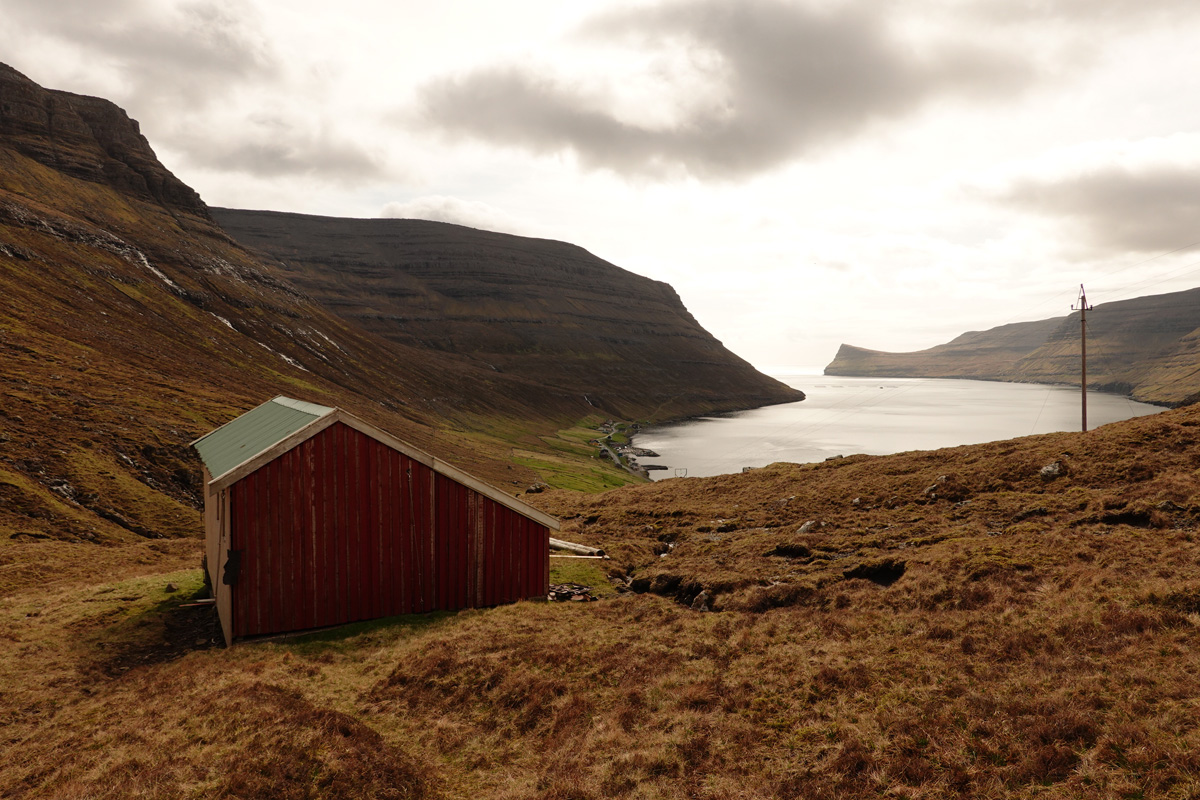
(877,416)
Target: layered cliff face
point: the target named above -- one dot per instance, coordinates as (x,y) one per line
(87,138)
(1148,348)
(546,311)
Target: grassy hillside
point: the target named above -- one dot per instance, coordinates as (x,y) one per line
(1148,347)
(546,311)
(127,330)
(130,324)
(958,623)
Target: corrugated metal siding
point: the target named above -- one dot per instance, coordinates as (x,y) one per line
(343,528)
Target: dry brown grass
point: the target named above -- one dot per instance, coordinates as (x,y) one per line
(1041,640)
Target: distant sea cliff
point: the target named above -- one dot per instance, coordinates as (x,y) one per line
(1147,348)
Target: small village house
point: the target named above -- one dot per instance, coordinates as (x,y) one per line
(313,518)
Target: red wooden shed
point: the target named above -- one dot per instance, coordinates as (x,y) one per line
(313,517)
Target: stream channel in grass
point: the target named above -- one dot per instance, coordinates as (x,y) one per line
(844,416)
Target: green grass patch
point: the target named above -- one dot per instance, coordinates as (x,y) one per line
(133,616)
(584,571)
(567,460)
(577,476)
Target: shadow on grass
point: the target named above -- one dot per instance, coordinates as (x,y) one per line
(166,630)
(161,632)
(354,634)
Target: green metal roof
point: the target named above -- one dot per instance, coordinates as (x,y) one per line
(253,432)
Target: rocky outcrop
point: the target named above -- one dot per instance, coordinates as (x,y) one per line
(546,311)
(1148,348)
(87,138)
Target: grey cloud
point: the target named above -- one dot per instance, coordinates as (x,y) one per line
(795,79)
(273,147)
(1150,210)
(181,62)
(170,55)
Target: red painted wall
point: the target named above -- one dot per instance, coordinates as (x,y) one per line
(343,528)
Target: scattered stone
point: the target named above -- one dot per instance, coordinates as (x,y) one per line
(807,526)
(946,487)
(856,502)
(834,458)
(537,488)
(701,601)
(570,592)
(1053,471)
(172,587)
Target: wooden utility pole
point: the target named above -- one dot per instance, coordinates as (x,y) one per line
(1082,307)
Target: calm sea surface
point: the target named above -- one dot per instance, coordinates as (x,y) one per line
(843,416)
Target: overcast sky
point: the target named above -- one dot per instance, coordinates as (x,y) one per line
(803,172)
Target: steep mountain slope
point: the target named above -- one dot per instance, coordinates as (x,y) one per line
(1148,347)
(130,323)
(547,311)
